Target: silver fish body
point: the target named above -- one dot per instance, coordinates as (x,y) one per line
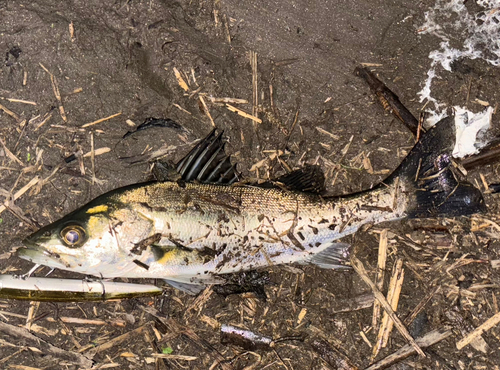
(192,233)
(207,230)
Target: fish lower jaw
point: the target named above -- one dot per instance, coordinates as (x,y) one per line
(40,257)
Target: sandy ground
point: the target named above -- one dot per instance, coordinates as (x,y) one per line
(68,64)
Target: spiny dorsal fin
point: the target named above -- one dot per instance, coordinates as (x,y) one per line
(208,163)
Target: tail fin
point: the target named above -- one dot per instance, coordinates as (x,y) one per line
(429,169)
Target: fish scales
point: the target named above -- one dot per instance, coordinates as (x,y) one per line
(244,225)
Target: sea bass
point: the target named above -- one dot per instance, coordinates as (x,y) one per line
(193,230)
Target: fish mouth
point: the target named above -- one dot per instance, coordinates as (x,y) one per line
(39,255)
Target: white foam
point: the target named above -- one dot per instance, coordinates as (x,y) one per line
(462,35)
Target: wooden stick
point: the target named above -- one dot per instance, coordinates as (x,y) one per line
(255,91)
(117,340)
(92,156)
(10,113)
(395,285)
(243,114)
(32,340)
(21,101)
(11,155)
(207,112)
(393,299)
(360,269)
(379,281)
(21,191)
(421,305)
(484,327)
(55,88)
(427,340)
(332,356)
(388,99)
(44,120)
(174,357)
(101,120)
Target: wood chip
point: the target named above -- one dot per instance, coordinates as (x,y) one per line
(101,120)
(97,152)
(360,269)
(323,131)
(367,165)
(71,28)
(184,86)
(227,100)
(371,64)
(243,114)
(484,327)
(482,102)
(301,316)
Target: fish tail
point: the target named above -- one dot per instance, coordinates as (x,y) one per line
(436,186)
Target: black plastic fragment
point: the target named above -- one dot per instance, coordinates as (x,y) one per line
(70,158)
(494,188)
(155,122)
(15,51)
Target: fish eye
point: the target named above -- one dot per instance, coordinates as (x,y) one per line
(73,235)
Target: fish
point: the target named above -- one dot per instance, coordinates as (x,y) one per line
(201,221)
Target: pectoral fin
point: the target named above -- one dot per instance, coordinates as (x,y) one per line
(188,288)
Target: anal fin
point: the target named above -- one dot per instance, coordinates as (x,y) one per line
(333,256)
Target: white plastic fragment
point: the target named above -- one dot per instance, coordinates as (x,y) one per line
(470,129)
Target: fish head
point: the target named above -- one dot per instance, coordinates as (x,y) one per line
(96,239)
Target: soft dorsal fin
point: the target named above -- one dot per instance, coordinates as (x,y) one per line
(208,163)
(308,179)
